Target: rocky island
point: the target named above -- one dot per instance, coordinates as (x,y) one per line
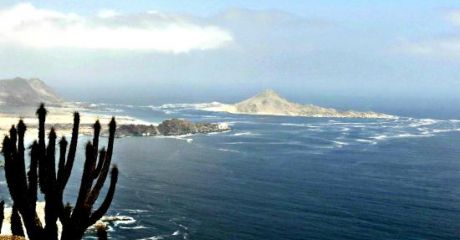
(269,102)
(171,127)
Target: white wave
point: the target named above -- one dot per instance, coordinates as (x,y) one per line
(135,210)
(379,137)
(182,226)
(423,122)
(185,137)
(216,133)
(169,112)
(244,134)
(159,237)
(133,227)
(410,135)
(445,130)
(196,106)
(232,123)
(119,220)
(339,143)
(366,141)
(228,150)
(294,124)
(237,143)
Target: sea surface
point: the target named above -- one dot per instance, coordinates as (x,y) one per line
(285,178)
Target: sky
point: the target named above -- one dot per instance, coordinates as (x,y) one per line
(153,52)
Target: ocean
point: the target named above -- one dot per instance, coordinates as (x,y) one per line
(285,178)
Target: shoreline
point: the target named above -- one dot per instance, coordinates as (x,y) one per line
(61,119)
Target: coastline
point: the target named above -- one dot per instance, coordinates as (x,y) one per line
(61,119)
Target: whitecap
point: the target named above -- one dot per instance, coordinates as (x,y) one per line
(340,143)
(294,124)
(380,137)
(159,237)
(366,141)
(119,219)
(133,227)
(228,150)
(135,210)
(244,134)
(423,122)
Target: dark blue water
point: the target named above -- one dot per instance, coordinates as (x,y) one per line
(289,178)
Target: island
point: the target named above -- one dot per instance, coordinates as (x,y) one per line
(269,102)
(171,127)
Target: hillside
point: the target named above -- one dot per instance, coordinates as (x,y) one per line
(27,92)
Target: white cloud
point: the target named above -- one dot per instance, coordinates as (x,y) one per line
(29,26)
(436,47)
(107,13)
(453,17)
(446,45)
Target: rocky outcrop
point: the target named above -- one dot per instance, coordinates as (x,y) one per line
(172,127)
(176,126)
(269,102)
(137,130)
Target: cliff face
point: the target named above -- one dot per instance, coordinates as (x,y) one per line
(27,92)
(269,102)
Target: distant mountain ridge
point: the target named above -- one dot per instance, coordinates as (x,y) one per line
(269,102)
(27,92)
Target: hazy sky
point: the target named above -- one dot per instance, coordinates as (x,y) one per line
(179,51)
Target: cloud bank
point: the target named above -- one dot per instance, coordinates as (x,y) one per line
(28,26)
(445,45)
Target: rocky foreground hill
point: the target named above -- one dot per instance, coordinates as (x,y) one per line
(269,102)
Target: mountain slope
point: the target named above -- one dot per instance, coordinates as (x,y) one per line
(269,102)
(27,92)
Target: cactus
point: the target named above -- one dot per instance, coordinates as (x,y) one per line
(2,214)
(42,175)
(16,223)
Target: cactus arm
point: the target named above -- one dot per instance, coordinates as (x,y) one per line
(16,223)
(97,132)
(32,175)
(99,213)
(102,176)
(61,164)
(71,155)
(86,180)
(100,163)
(51,196)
